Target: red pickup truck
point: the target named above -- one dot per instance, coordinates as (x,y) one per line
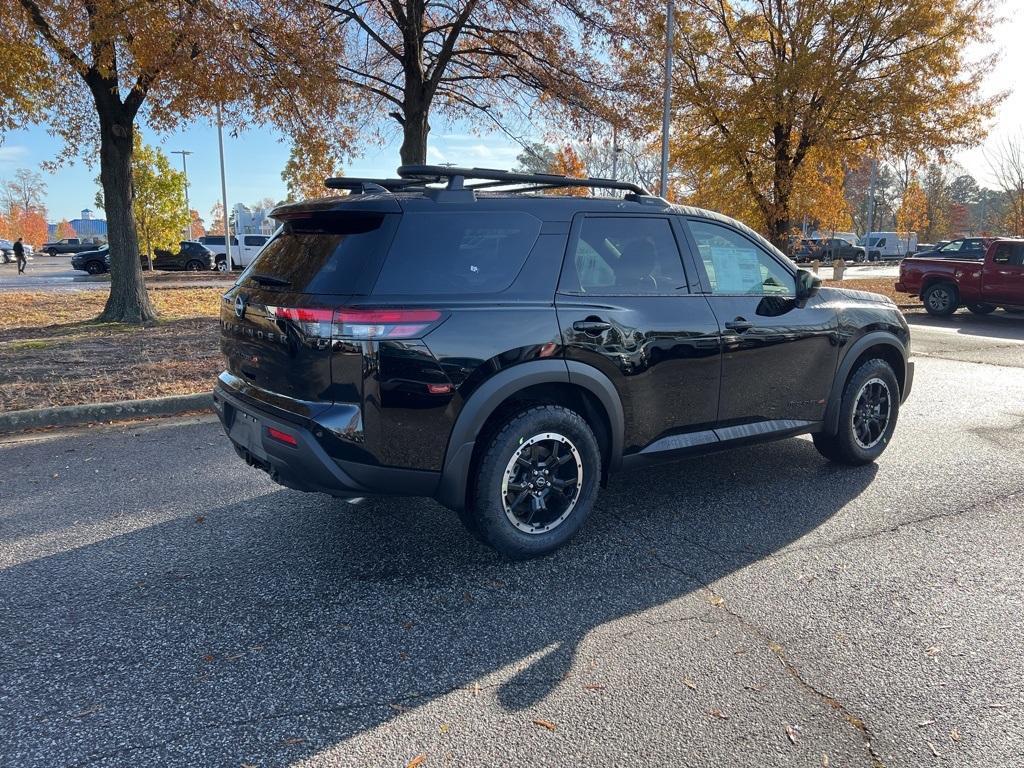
(981,286)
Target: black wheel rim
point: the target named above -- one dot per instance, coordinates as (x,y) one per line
(871,413)
(542,482)
(938,299)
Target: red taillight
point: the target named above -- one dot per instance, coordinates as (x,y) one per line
(359,324)
(283,437)
(383,323)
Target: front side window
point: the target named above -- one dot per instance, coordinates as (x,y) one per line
(624,256)
(1011,254)
(735,265)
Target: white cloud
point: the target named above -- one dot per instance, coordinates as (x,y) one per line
(13,153)
(435,156)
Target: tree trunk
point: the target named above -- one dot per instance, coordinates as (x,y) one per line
(128,301)
(415,127)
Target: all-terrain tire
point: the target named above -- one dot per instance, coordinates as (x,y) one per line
(858,442)
(507,452)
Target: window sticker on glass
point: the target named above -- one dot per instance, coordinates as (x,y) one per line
(737,270)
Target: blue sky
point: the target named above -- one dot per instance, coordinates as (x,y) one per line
(254,159)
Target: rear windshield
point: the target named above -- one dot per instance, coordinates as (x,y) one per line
(458,252)
(327,253)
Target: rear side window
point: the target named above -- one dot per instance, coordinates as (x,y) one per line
(457,253)
(255,239)
(624,256)
(329,253)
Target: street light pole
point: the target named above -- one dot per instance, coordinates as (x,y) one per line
(188,209)
(224,194)
(667,105)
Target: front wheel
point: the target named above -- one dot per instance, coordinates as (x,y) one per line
(94,268)
(535,483)
(867,416)
(222,266)
(194,266)
(982,309)
(940,300)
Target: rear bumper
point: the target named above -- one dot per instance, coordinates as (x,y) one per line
(306,466)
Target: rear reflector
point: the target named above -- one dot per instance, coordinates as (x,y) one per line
(283,437)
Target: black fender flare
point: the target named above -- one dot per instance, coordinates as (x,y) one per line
(451,490)
(872,339)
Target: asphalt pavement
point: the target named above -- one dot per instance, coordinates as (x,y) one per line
(163,604)
(54,273)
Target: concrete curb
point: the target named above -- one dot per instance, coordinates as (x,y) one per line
(73,415)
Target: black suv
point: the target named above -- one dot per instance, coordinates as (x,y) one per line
(454,334)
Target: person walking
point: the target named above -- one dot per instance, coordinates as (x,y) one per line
(19,255)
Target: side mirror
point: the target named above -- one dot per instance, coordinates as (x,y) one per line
(807,285)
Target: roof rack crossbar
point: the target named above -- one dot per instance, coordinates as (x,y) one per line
(457,177)
(370,186)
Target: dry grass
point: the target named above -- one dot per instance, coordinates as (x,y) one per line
(52,352)
(882,285)
(39,309)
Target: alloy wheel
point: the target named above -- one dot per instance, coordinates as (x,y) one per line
(939,299)
(871,413)
(542,482)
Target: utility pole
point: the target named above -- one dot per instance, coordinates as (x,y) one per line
(667,105)
(224,194)
(871,195)
(188,209)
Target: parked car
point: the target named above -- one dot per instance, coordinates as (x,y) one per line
(889,245)
(191,255)
(972,248)
(7,251)
(242,253)
(94,262)
(69,245)
(806,249)
(945,284)
(98,261)
(837,248)
(505,353)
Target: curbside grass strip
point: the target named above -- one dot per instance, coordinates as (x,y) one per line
(74,415)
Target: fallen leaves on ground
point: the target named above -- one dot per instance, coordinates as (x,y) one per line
(417,761)
(935,752)
(791,733)
(689,684)
(293,740)
(545,724)
(719,714)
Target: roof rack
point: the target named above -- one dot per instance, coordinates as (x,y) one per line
(456,178)
(462,183)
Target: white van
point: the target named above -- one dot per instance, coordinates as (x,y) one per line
(889,245)
(242,253)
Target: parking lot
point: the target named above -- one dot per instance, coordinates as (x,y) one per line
(162,603)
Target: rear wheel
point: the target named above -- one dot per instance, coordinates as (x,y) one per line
(940,299)
(982,309)
(867,416)
(535,483)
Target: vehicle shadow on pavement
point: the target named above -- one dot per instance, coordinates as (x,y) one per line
(998,325)
(269,630)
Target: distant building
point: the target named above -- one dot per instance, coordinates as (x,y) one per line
(85,227)
(252,221)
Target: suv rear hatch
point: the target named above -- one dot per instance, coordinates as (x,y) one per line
(278,328)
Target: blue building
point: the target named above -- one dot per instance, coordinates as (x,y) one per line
(85,227)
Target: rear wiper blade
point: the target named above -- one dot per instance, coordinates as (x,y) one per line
(270,280)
